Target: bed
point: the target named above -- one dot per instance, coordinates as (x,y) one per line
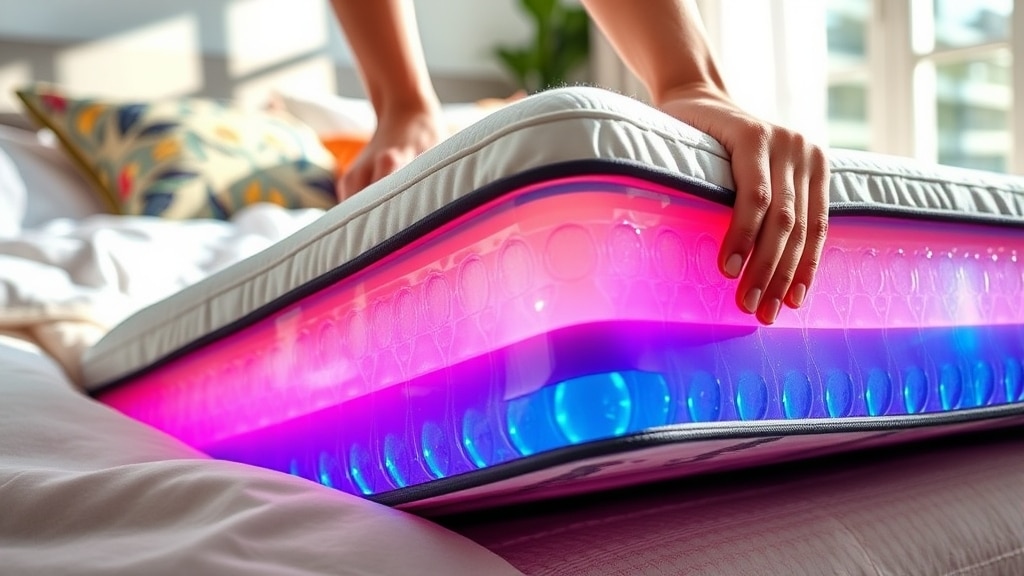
(94,490)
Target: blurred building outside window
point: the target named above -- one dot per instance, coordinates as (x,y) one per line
(940,80)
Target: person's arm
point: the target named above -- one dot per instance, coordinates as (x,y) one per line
(781,212)
(385,41)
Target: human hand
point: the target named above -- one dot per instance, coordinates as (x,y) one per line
(780,217)
(400,136)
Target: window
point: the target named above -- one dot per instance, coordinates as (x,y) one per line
(848,73)
(934,79)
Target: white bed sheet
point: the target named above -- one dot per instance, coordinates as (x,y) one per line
(64,283)
(85,490)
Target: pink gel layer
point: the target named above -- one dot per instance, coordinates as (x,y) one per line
(562,253)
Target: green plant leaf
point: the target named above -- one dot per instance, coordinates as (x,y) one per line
(574,42)
(559,45)
(576,27)
(519,63)
(541,10)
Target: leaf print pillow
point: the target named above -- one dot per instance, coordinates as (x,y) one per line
(187,158)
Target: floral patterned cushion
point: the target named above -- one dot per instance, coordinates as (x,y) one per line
(187,158)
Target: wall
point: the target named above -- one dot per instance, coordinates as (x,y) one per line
(234,48)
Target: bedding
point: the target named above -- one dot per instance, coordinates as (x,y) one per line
(533,309)
(12,195)
(85,491)
(34,165)
(66,282)
(345,125)
(330,115)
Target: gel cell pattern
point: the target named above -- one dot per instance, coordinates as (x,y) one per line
(590,308)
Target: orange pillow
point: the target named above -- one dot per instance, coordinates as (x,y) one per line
(345,149)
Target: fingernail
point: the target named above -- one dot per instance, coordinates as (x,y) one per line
(733,265)
(752,299)
(773,311)
(798,293)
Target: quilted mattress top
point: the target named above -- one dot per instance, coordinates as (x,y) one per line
(559,130)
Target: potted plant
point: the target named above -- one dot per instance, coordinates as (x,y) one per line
(560,45)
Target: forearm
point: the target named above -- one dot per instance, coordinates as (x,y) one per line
(662,41)
(384,39)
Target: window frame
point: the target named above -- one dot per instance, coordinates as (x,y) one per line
(901,79)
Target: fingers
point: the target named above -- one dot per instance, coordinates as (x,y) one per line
(368,169)
(790,234)
(753,199)
(355,179)
(779,222)
(401,135)
(389,161)
(817,228)
(762,268)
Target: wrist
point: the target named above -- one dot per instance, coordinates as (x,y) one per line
(419,119)
(696,90)
(405,102)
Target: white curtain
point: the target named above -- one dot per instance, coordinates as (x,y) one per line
(772,54)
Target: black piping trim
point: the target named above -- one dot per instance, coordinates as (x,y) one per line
(857,209)
(494,190)
(683,433)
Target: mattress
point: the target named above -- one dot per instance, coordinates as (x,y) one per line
(533,308)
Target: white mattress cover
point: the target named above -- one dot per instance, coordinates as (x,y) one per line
(552,127)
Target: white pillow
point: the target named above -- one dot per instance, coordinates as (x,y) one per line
(53,187)
(12,197)
(332,115)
